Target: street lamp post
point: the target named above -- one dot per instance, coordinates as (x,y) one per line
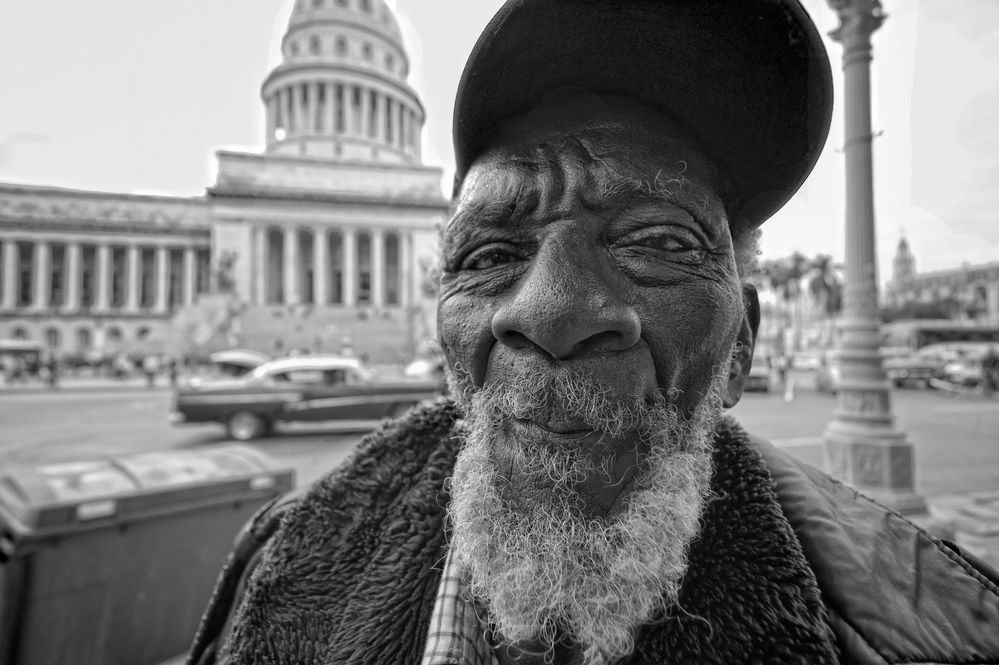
(862,445)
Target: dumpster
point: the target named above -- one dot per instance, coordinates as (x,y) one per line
(112,561)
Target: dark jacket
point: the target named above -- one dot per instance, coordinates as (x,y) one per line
(790,567)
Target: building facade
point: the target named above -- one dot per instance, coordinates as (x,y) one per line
(326,235)
(968,292)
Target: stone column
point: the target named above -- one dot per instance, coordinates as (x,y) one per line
(271,110)
(103,282)
(134,278)
(260,265)
(162,279)
(287,110)
(331,102)
(9,273)
(292,294)
(43,274)
(365,128)
(349,267)
(377,267)
(72,302)
(862,445)
(312,107)
(189,270)
(320,266)
(417,136)
(345,108)
(397,139)
(381,115)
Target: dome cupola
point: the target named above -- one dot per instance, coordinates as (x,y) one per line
(340,91)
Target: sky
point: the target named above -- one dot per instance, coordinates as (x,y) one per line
(136,96)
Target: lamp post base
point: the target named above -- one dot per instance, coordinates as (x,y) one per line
(876,462)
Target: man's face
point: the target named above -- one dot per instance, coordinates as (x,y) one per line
(590,237)
(589,305)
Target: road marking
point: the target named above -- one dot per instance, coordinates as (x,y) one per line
(797,441)
(967,408)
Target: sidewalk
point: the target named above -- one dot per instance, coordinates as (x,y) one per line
(69,383)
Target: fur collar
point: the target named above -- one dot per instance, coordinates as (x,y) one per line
(352,574)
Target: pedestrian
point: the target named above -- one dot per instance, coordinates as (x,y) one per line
(172,370)
(150,367)
(990,372)
(584,498)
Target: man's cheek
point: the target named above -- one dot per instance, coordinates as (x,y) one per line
(464,328)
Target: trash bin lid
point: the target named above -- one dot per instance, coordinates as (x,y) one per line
(33,499)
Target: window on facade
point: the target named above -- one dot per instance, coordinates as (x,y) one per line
(275,266)
(202,270)
(389,62)
(84,339)
(306,259)
(119,276)
(88,275)
(20,333)
(355,106)
(25,273)
(366,5)
(367,51)
(389,114)
(142,332)
(317,3)
(175,292)
(341,46)
(53,338)
(335,254)
(315,45)
(114,334)
(363,268)
(338,108)
(392,289)
(294,48)
(57,276)
(372,113)
(147,278)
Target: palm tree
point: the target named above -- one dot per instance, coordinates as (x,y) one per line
(826,289)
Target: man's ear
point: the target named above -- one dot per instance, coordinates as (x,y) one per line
(742,356)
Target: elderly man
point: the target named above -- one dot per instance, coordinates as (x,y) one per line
(584,500)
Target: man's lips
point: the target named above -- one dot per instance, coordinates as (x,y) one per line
(559,427)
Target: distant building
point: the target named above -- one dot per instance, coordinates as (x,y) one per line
(971,292)
(324,236)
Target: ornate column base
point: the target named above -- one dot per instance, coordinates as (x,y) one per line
(876,462)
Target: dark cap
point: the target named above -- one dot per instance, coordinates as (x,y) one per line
(749,79)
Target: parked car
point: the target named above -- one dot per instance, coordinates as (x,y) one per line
(915,368)
(759,375)
(304,388)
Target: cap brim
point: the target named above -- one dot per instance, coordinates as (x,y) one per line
(750,79)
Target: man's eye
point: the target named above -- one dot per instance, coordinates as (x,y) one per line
(488,257)
(663,238)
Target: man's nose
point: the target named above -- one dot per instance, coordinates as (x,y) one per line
(567,306)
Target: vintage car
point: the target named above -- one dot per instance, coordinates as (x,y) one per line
(304,388)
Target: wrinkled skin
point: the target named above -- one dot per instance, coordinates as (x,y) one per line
(590,234)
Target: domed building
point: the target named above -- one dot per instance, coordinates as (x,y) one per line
(325,235)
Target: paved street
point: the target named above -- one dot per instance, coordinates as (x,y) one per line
(956,439)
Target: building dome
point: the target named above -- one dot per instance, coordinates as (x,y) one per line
(340,91)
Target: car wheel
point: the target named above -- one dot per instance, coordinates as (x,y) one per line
(245,426)
(898,383)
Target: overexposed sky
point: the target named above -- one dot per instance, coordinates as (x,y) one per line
(136,96)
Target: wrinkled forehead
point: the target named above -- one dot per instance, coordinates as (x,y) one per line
(592,150)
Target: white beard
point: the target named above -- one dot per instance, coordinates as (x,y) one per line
(546,568)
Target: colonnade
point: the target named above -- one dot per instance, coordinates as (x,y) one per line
(100,275)
(326,266)
(343,108)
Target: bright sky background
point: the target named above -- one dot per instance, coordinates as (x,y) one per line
(136,96)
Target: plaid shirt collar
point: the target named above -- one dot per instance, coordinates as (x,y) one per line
(456,635)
